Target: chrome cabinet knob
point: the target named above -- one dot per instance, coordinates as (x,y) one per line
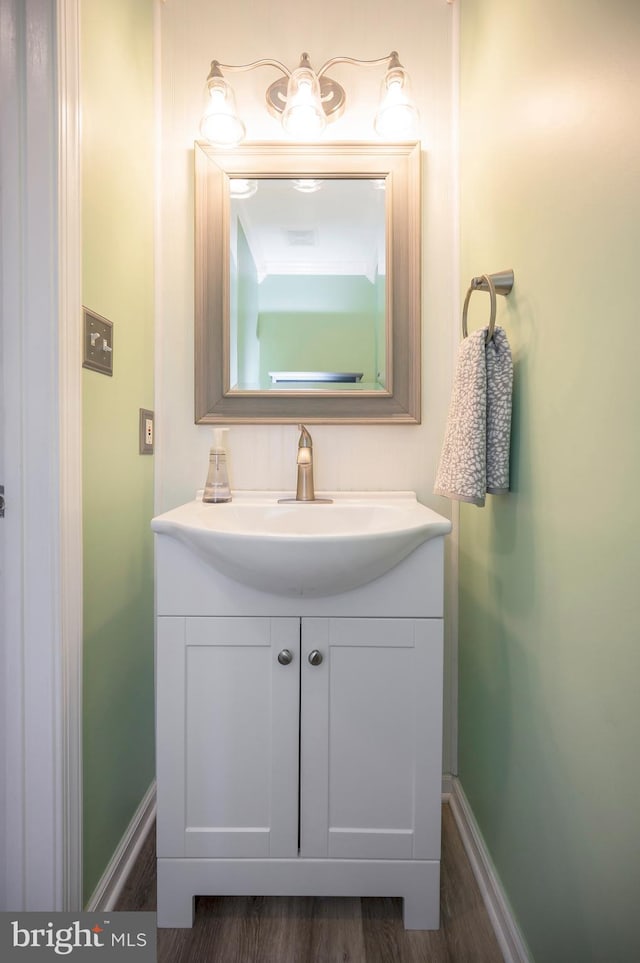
(315,657)
(285,657)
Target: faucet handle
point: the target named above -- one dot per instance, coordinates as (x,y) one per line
(305,438)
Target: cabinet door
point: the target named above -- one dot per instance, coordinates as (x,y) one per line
(227,731)
(371,735)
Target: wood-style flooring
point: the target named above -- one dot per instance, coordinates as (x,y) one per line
(254,929)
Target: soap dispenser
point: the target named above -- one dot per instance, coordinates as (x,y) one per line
(217,488)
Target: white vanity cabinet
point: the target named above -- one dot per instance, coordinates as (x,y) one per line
(298,740)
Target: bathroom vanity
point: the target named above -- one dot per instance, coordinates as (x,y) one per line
(298,735)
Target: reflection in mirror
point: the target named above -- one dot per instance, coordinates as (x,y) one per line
(307,284)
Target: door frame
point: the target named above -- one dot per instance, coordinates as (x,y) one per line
(40,315)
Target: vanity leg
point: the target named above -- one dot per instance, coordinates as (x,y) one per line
(421,903)
(419,913)
(176,902)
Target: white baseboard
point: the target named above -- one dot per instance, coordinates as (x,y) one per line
(507,932)
(106,893)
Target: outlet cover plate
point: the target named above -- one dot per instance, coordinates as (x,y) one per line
(146,432)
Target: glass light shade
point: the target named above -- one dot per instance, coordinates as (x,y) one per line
(397,115)
(307,185)
(220,124)
(303,115)
(242,187)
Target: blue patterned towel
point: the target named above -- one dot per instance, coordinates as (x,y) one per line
(475,452)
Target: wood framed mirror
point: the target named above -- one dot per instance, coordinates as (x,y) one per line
(307,283)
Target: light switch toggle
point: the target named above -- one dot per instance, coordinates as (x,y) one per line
(95,337)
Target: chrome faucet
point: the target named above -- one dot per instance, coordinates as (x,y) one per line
(304,460)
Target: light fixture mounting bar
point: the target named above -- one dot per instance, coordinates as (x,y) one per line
(332,94)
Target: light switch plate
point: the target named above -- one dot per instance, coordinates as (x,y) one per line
(98,343)
(146,432)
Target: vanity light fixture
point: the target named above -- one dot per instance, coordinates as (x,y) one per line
(306,101)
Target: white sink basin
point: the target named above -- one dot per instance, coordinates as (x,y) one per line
(304,549)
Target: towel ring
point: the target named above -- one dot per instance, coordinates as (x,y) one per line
(475,286)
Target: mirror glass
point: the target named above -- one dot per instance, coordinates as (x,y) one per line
(307,265)
(307,283)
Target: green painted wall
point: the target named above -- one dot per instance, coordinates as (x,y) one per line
(340,293)
(549,600)
(117,221)
(339,334)
(316,342)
